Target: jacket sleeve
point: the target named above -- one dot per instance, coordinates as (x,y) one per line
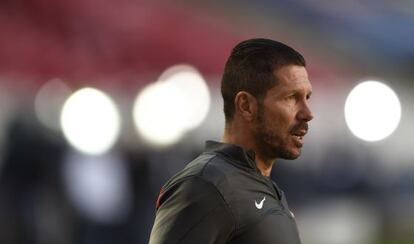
(192,212)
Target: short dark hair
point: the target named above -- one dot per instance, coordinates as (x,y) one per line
(250,68)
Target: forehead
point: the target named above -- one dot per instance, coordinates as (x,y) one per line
(291,77)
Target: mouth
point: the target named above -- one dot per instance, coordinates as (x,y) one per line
(298,137)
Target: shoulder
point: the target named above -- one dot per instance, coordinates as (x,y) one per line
(211,168)
(209,173)
(192,209)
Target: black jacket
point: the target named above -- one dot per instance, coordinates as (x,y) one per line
(221,197)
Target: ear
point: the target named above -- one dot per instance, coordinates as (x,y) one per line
(246,105)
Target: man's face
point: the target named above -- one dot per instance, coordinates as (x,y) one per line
(283,114)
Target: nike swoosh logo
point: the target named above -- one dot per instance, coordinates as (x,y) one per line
(259,205)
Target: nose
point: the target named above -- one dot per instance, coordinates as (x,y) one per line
(305,113)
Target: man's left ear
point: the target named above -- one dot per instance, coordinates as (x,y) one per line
(247,105)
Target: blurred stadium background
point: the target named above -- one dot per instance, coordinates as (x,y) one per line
(88,171)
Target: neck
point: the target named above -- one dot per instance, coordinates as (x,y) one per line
(245,141)
(265,166)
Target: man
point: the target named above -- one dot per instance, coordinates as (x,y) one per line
(226,195)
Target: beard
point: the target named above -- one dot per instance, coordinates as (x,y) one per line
(270,144)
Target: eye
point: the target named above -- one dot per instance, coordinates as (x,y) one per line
(308,96)
(291,96)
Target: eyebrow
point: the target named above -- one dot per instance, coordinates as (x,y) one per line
(299,90)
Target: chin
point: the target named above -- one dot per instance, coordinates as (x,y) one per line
(275,150)
(291,154)
(291,157)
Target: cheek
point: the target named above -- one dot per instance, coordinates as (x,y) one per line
(280,118)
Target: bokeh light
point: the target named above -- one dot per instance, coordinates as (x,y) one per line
(98,185)
(156,114)
(49,101)
(372,111)
(90,121)
(195,91)
(178,102)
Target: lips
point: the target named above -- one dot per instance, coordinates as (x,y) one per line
(298,133)
(298,137)
(298,140)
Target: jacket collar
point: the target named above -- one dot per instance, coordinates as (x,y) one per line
(236,152)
